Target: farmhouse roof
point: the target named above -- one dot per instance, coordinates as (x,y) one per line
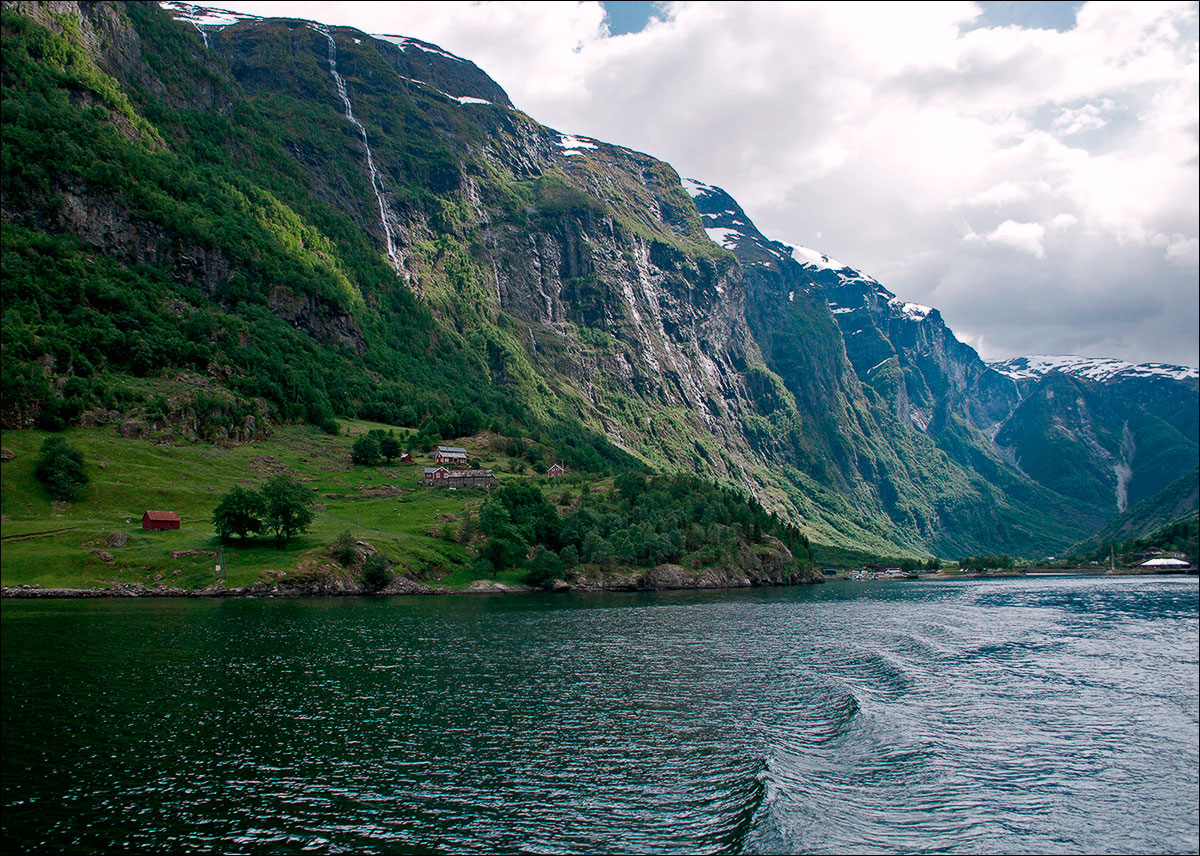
(162,516)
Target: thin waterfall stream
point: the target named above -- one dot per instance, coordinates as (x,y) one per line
(376,182)
(203,34)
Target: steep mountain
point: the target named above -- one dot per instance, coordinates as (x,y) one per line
(216,222)
(1073,449)
(1122,432)
(905,404)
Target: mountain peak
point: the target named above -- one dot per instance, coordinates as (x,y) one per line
(414,59)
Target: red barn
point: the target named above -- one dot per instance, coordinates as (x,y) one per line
(160,520)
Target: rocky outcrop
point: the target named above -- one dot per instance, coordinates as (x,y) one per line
(106,226)
(326,322)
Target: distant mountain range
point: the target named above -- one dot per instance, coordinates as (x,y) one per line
(227,221)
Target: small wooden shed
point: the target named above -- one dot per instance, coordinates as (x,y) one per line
(160,520)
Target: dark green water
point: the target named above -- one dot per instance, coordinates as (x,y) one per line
(1048,715)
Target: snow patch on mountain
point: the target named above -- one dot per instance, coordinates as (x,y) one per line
(200,16)
(405,43)
(727,238)
(814,258)
(467,99)
(1099,369)
(912,311)
(696,188)
(573,145)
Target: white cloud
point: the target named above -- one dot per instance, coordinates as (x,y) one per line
(1000,194)
(1025,237)
(1085,118)
(1178,249)
(892,130)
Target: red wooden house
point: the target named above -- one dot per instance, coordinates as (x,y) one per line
(160,520)
(451,455)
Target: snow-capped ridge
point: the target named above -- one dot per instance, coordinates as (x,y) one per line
(1099,369)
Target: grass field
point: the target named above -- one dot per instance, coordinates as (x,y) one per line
(60,544)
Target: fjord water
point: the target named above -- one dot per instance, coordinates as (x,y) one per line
(1048,715)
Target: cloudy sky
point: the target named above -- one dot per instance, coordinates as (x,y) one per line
(1030,169)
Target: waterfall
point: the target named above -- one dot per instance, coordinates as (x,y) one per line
(376,182)
(203,34)
(1123,469)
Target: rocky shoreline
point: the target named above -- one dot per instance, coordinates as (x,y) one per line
(661,578)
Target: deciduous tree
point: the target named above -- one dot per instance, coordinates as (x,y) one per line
(60,468)
(239,512)
(287,509)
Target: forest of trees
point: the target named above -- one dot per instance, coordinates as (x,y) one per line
(642,522)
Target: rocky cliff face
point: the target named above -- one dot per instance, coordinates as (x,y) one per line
(1074,450)
(366,226)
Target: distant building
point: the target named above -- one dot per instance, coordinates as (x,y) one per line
(160,520)
(443,477)
(406,458)
(556,470)
(1164,563)
(451,455)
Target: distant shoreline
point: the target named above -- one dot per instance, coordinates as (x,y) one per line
(408,587)
(400,587)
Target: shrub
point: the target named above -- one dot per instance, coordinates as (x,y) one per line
(544,567)
(344,549)
(376,572)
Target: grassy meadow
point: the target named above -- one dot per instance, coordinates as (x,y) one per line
(55,544)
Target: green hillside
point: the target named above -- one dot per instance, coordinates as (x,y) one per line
(593,531)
